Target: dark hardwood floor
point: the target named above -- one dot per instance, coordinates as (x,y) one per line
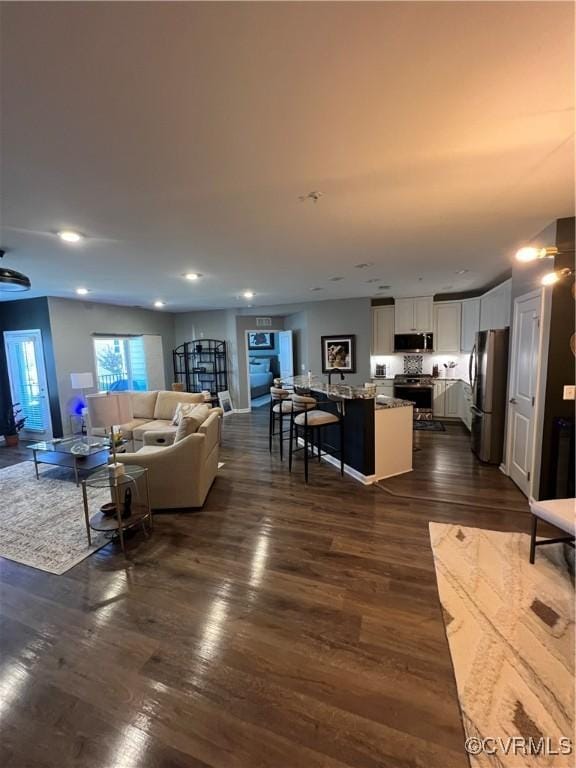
(282,626)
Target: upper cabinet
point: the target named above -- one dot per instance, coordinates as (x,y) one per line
(383,330)
(495,307)
(414,315)
(447,319)
(470,323)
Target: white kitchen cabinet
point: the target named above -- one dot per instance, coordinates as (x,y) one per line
(470,324)
(384,388)
(495,307)
(439,398)
(447,398)
(414,315)
(383,330)
(447,321)
(466,404)
(452,399)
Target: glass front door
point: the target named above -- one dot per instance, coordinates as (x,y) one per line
(27,374)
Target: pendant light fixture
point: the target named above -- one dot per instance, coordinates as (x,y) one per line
(13,281)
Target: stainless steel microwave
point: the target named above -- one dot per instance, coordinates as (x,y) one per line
(413,342)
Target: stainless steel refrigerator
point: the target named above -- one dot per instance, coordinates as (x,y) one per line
(488,377)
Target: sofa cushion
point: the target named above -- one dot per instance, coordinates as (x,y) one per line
(167,402)
(150,426)
(185,409)
(192,422)
(128,428)
(143,404)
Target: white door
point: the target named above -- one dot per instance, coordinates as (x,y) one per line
(27,374)
(525,345)
(285,354)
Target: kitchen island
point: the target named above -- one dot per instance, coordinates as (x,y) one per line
(377,430)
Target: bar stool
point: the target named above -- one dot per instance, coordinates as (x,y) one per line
(309,421)
(282,404)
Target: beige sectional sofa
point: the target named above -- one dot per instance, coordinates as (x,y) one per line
(180,473)
(153,411)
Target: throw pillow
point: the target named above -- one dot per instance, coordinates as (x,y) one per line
(189,423)
(184,409)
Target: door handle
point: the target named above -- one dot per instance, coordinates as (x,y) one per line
(512,401)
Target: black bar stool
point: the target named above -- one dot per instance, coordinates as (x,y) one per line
(282,404)
(314,420)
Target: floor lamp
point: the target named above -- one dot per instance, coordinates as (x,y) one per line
(82,381)
(108,410)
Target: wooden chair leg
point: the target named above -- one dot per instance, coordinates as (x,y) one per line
(533,539)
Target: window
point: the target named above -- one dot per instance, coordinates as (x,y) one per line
(120,363)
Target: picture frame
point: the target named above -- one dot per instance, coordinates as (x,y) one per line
(260,340)
(225,402)
(339,351)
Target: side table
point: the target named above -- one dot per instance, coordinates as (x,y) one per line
(141,511)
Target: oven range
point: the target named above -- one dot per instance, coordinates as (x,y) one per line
(417,388)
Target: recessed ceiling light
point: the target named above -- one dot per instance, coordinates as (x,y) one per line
(69,236)
(335,279)
(248,294)
(191,275)
(82,291)
(158,303)
(461,271)
(316,289)
(363,265)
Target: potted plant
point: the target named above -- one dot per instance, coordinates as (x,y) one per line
(13,424)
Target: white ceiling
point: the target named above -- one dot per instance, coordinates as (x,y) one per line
(179,136)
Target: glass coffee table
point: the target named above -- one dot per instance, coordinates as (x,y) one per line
(80,453)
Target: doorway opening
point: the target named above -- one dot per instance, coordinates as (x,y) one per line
(269,355)
(27,376)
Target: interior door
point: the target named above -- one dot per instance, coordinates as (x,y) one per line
(27,374)
(285,354)
(525,347)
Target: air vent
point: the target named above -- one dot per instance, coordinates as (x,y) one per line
(263,322)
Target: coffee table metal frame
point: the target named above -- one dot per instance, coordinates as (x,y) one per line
(59,455)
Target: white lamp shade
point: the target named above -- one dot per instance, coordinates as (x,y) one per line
(81,380)
(109,409)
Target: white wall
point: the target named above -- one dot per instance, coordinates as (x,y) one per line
(73,324)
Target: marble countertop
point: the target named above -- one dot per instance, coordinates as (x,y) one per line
(317,383)
(383,402)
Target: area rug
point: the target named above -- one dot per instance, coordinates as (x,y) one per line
(42,521)
(429,426)
(510,628)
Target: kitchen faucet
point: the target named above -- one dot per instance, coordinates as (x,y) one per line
(334,370)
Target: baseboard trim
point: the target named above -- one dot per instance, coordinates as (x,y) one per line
(242,410)
(350,471)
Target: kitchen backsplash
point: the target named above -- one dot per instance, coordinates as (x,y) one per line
(395,364)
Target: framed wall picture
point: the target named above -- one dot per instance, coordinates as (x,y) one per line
(260,340)
(225,402)
(339,352)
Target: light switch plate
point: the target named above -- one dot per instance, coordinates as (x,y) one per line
(569,392)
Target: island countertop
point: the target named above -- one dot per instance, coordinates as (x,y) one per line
(383,402)
(316,383)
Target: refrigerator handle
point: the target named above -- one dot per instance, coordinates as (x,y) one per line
(470,361)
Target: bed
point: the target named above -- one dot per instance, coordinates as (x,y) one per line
(262,372)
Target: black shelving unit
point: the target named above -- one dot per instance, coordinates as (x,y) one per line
(201,364)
